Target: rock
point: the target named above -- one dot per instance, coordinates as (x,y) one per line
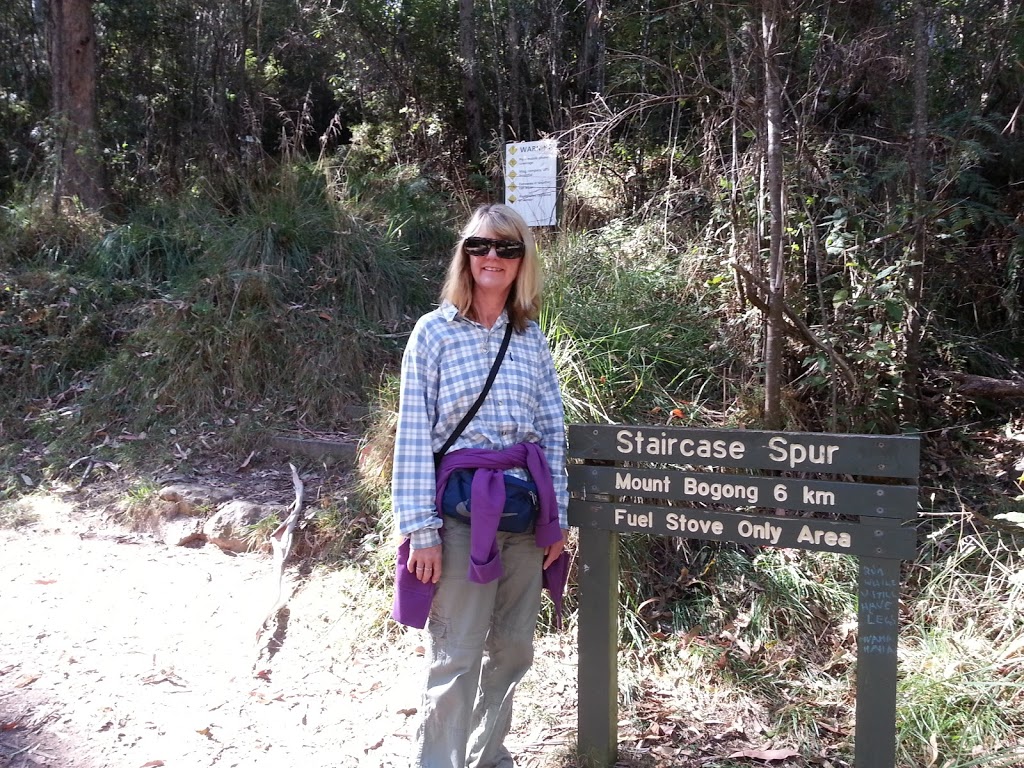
(190,499)
(166,509)
(182,532)
(227,528)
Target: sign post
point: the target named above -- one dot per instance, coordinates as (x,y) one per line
(531,181)
(876,538)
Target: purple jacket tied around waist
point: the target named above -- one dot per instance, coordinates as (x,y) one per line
(413,597)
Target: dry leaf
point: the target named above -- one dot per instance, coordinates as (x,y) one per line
(154,764)
(766,754)
(26,680)
(245,463)
(44,582)
(9,726)
(832,727)
(264,699)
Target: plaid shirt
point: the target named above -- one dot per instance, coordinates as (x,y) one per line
(444,368)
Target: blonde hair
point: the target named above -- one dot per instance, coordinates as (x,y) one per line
(523,302)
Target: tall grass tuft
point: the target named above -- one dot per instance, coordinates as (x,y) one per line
(373,473)
(33,236)
(628,337)
(961,698)
(157,244)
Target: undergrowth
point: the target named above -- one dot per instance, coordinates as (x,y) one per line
(190,315)
(224,317)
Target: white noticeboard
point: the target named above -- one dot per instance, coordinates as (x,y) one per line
(531,180)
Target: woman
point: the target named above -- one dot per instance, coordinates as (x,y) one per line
(482,588)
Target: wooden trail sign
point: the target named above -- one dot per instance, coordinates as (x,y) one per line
(660,464)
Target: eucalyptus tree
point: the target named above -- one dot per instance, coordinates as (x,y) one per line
(71,48)
(771,19)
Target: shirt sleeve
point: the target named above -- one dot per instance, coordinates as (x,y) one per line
(412,481)
(550,423)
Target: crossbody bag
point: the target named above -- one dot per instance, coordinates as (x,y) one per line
(520,509)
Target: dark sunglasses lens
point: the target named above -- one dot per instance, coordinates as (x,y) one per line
(510,250)
(505,249)
(476,246)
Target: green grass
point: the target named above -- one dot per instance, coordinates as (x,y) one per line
(280,306)
(961,696)
(628,338)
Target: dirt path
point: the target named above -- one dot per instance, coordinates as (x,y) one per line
(119,652)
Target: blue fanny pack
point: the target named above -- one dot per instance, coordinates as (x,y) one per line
(520,510)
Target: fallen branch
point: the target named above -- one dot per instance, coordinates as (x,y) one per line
(799,327)
(973,386)
(281,544)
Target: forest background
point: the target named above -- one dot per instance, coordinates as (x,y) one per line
(220,219)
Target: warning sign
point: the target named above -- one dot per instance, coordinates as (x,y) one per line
(531,180)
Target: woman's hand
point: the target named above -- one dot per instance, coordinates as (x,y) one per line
(552,552)
(425,564)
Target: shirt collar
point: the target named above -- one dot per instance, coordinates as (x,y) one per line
(450,312)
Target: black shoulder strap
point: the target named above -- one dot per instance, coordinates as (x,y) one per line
(479,401)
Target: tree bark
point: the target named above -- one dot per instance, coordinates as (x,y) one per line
(515,89)
(555,67)
(72,55)
(776,276)
(470,88)
(918,170)
(590,78)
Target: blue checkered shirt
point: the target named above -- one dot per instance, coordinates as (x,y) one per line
(444,368)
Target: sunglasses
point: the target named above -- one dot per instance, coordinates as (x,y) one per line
(505,249)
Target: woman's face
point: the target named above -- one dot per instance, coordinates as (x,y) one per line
(490,273)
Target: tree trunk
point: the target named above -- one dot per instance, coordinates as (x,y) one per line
(555,67)
(515,90)
(498,59)
(776,277)
(591,67)
(470,90)
(918,170)
(72,54)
